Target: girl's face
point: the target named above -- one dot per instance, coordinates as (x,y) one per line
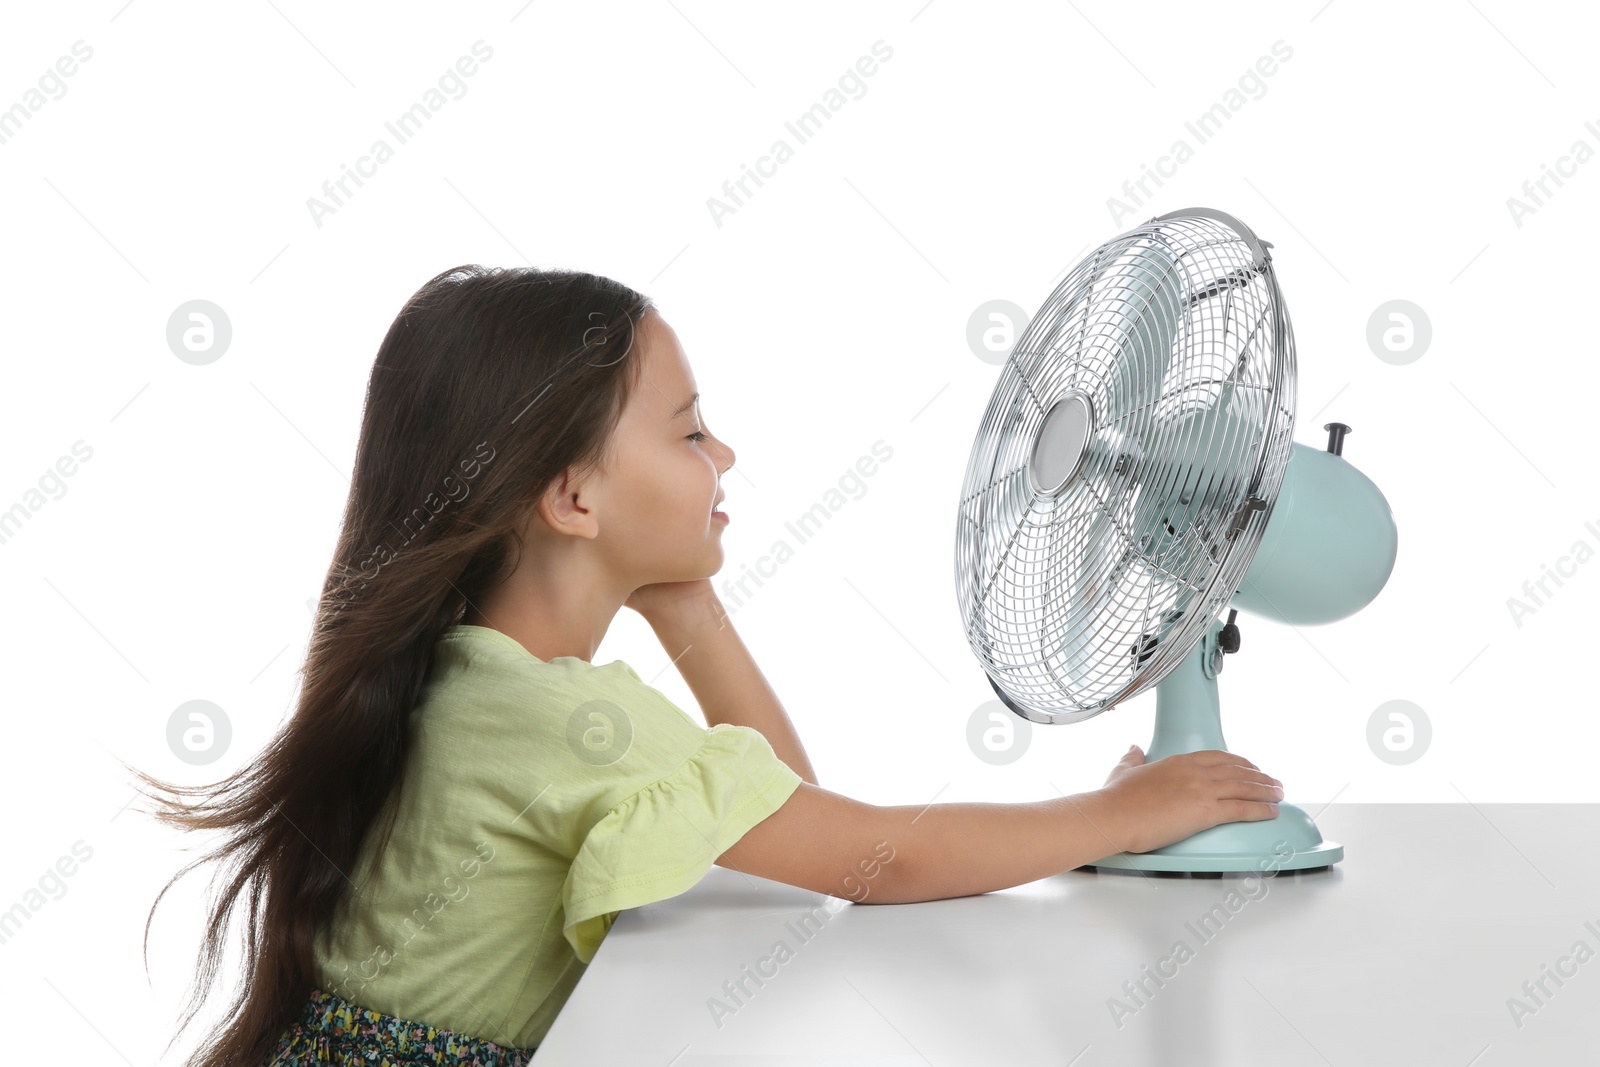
(657,500)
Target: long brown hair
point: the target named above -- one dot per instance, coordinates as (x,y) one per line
(489,384)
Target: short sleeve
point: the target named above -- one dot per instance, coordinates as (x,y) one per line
(662,840)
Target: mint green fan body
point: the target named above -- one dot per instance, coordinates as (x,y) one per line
(1133,476)
(1327,550)
(1329,512)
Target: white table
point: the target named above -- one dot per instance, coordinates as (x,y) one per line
(1407,951)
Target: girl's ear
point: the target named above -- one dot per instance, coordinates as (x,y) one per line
(564,507)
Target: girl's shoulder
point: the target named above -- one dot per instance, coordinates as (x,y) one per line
(481,673)
(484,652)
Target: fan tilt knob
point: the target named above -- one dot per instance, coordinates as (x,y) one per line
(1228,637)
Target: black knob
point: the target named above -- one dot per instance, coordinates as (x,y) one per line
(1228,637)
(1143,650)
(1336,432)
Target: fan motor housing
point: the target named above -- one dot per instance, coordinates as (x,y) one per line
(1329,547)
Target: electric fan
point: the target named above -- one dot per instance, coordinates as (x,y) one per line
(1133,474)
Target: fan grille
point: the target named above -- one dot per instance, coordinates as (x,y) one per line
(1080,595)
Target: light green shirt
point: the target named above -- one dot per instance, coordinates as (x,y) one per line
(540,798)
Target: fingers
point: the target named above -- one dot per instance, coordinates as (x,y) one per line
(1250,792)
(1236,785)
(1210,757)
(1250,784)
(1251,796)
(1224,764)
(1220,765)
(1248,810)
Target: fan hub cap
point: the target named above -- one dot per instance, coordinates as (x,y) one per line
(1062,441)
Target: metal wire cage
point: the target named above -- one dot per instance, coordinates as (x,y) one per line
(1126,466)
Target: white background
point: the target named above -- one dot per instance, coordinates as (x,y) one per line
(827,312)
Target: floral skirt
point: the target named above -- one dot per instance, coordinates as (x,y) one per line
(334,1031)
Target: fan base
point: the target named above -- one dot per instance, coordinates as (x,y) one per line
(1122,872)
(1289,842)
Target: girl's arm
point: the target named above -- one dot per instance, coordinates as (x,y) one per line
(828,843)
(723,676)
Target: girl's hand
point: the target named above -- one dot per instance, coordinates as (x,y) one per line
(1158,803)
(661,598)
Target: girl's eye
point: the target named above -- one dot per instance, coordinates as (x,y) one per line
(697,436)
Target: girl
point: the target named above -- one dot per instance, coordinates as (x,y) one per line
(438,839)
